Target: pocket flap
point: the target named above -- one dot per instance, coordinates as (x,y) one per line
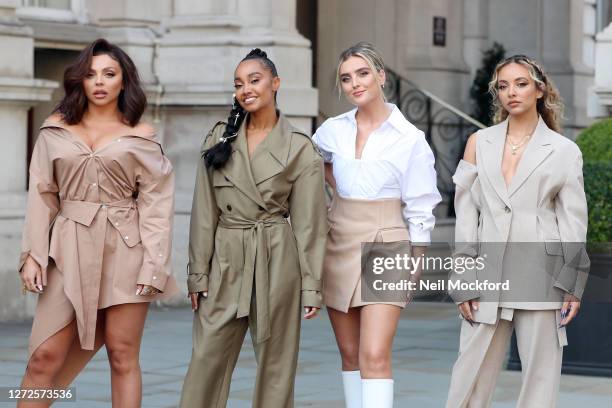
(553,247)
(393,235)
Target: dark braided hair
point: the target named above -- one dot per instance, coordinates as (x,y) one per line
(220,153)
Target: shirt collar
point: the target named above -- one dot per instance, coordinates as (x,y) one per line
(396,119)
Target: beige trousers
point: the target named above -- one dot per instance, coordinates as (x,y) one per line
(482,352)
(217,339)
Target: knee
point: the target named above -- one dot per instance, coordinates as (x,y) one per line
(44,362)
(350,356)
(123,357)
(375,360)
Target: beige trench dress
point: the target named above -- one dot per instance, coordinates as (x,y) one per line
(98,223)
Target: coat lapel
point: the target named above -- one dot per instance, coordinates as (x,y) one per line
(272,154)
(492,150)
(238,168)
(536,151)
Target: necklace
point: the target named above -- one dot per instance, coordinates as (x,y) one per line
(515,147)
(520,144)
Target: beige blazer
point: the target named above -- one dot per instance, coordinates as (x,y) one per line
(532,231)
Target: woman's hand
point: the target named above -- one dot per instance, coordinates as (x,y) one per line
(194,299)
(466,308)
(311,312)
(146,290)
(571,306)
(31,276)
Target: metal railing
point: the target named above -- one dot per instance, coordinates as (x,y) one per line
(446,129)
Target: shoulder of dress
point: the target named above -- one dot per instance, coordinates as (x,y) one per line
(214,134)
(214,131)
(307,141)
(301,133)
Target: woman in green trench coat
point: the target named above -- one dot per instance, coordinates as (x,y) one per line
(256,244)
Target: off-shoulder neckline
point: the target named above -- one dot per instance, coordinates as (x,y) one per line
(150,136)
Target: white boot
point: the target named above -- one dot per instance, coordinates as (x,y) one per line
(377,393)
(351,380)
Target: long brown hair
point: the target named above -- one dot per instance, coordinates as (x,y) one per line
(132,99)
(549,106)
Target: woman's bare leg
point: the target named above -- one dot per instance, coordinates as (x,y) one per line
(124,325)
(46,362)
(346,329)
(378,326)
(77,358)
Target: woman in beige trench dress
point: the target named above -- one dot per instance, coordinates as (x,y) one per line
(382,170)
(97,235)
(256,244)
(520,199)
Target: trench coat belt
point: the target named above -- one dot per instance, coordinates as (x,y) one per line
(257,252)
(83,272)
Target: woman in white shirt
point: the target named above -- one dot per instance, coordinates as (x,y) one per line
(382,170)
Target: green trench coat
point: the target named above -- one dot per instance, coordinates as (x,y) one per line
(257,242)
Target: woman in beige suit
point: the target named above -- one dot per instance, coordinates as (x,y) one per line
(520,199)
(382,171)
(256,244)
(97,236)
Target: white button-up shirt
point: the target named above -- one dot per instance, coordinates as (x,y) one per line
(396,162)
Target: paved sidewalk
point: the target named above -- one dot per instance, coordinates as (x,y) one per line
(424,351)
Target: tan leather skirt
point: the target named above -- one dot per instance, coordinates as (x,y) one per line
(353,221)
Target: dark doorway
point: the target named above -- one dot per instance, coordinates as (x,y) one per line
(48,64)
(306,22)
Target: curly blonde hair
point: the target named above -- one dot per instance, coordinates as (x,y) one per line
(550,105)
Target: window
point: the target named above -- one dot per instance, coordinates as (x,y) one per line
(604,13)
(55,4)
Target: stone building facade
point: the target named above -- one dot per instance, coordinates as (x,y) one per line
(186,51)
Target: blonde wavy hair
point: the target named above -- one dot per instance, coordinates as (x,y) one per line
(366,51)
(550,105)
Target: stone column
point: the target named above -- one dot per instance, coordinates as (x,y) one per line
(475,36)
(558,33)
(19,91)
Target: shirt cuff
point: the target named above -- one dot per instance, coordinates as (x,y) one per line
(153,276)
(311,298)
(418,237)
(197,283)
